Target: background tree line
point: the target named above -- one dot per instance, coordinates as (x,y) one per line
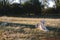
(31,7)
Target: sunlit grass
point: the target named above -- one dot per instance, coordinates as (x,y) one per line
(13,33)
(27,32)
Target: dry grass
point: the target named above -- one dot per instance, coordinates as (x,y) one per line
(32,21)
(7,33)
(24,33)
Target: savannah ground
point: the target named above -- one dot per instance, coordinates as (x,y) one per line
(23,29)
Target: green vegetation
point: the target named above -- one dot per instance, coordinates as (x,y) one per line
(29,7)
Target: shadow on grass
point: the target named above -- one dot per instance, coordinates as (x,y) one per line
(16,24)
(27,26)
(53,29)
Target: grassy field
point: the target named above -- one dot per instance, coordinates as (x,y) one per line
(24,29)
